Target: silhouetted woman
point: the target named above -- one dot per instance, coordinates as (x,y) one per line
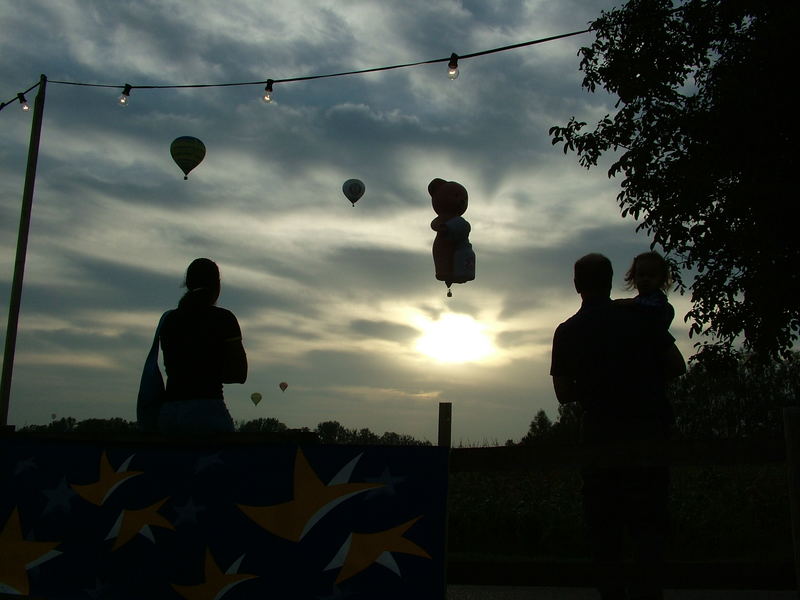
(202,346)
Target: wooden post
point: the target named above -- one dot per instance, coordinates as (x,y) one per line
(22,249)
(445,423)
(791,431)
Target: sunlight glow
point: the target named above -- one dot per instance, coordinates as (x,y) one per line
(455,338)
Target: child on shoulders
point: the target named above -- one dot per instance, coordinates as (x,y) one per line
(650,275)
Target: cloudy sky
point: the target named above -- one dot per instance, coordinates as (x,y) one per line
(340,302)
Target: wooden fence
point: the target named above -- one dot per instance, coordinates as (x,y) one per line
(695,575)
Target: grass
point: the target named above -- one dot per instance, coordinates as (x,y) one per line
(719,513)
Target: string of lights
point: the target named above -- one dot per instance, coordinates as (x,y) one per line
(452,73)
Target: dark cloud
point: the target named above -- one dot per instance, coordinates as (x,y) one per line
(384,330)
(361,272)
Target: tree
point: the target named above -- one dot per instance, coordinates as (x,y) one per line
(702,140)
(332,432)
(112,425)
(564,430)
(62,425)
(268,425)
(541,429)
(739,398)
(390,438)
(364,437)
(567,427)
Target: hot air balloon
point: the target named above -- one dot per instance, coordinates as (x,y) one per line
(283,385)
(187,152)
(353,189)
(255,397)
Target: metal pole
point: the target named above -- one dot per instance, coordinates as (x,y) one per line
(22,249)
(791,430)
(444,441)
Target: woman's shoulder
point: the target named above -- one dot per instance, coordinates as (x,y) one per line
(224,318)
(221,312)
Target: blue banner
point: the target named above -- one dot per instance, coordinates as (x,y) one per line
(92,520)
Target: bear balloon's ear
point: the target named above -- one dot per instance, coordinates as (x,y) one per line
(434,185)
(460,192)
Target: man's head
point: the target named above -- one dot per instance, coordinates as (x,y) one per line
(593,275)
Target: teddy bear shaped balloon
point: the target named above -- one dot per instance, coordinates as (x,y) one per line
(453,256)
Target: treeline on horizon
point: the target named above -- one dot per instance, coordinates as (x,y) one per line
(737,398)
(328,432)
(734,398)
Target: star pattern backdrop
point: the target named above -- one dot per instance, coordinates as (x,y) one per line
(86,520)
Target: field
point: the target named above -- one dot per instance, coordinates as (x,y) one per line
(719,513)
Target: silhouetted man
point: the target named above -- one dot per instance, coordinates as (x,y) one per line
(614,361)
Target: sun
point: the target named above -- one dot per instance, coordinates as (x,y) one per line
(455,338)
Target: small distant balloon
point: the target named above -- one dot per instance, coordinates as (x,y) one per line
(53,416)
(283,385)
(187,152)
(353,189)
(255,397)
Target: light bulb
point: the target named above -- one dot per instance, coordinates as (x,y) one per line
(125,97)
(267,97)
(452,66)
(23,102)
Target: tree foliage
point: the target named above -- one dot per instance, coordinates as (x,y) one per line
(564,430)
(263,425)
(329,432)
(736,398)
(333,432)
(702,140)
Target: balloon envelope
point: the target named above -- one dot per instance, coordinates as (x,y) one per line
(283,386)
(353,189)
(256,398)
(187,152)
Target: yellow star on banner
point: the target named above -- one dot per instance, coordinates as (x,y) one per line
(216,582)
(109,479)
(17,554)
(312,499)
(367,548)
(132,522)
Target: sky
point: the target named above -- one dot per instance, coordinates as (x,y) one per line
(338,301)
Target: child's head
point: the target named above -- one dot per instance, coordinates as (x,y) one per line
(648,273)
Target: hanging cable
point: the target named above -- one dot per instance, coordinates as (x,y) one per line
(126,88)
(329,75)
(33,87)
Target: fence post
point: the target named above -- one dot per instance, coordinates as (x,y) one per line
(445,423)
(791,431)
